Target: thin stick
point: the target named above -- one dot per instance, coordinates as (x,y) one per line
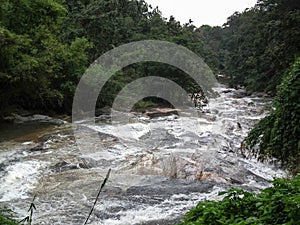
(102,185)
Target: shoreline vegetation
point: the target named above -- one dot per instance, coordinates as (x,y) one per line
(278,204)
(45,47)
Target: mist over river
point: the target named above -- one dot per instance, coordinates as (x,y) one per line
(161,167)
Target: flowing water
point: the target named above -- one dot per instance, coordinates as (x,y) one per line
(161,167)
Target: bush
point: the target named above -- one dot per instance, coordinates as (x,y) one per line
(279,204)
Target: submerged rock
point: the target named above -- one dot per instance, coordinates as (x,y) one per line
(240,93)
(103,111)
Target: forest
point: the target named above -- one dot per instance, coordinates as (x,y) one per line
(46,46)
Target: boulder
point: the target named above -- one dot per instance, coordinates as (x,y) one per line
(63,166)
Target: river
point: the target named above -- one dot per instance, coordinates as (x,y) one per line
(161,167)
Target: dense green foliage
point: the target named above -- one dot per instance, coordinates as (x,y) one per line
(108,24)
(279,204)
(37,69)
(278,135)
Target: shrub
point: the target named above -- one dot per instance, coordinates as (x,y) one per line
(279,204)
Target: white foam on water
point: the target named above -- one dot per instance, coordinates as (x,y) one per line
(130,131)
(19,179)
(264,170)
(173,207)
